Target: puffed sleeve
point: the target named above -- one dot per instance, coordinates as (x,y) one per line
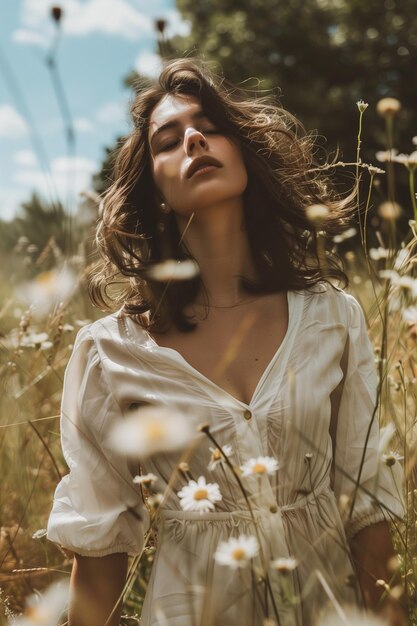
(379,495)
(97,509)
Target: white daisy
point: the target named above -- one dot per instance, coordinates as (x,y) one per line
(145,479)
(171,270)
(391,458)
(284,565)
(150,430)
(410,315)
(45,609)
(237,551)
(260,465)
(217,457)
(199,496)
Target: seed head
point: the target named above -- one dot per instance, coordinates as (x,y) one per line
(56,13)
(317,213)
(388,107)
(389,210)
(362,106)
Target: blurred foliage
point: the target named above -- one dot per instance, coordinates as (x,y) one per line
(37,221)
(324,55)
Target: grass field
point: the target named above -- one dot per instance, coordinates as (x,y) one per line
(34,352)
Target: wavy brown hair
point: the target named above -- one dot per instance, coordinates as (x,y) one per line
(283,180)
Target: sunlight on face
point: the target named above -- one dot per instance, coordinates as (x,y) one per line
(180,133)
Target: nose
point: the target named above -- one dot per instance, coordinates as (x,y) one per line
(193,140)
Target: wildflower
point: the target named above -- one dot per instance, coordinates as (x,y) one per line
(145,479)
(56,13)
(199,495)
(45,609)
(217,457)
(386,155)
(410,315)
(389,210)
(372,169)
(388,107)
(34,340)
(400,282)
(376,254)
(284,565)
(391,458)
(260,465)
(171,270)
(385,435)
(47,289)
(409,160)
(151,430)
(317,213)
(154,501)
(350,232)
(362,106)
(344,502)
(380,582)
(414,140)
(401,258)
(237,551)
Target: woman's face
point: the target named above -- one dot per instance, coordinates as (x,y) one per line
(194,165)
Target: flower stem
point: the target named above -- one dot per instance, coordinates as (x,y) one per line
(357,177)
(412,191)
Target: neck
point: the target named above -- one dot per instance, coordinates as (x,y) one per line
(218,241)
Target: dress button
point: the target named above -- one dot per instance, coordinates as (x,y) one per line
(247,414)
(273,509)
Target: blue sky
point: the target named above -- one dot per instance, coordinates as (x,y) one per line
(102,41)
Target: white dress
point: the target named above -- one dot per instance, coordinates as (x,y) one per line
(98,510)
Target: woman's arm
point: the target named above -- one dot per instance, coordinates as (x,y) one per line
(96,585)
(372,549)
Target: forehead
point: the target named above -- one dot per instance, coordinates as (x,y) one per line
(173,107)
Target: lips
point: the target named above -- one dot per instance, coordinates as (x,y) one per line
(202,162)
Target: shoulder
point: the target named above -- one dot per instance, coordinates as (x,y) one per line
(114,338)
(329,304)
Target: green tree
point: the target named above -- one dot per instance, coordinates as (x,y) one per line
(323,55)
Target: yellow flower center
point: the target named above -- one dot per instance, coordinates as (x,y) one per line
(155,431)
(238,554)
(259,468)
(37,614)
(201,494)
(216,455)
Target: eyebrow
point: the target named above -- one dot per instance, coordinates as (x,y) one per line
(198,115)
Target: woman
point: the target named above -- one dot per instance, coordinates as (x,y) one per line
(273,358)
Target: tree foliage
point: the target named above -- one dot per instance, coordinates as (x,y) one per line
(323,56)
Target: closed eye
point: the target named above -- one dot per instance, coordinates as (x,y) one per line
(172,144)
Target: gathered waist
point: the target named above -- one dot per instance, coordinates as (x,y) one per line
(257,513)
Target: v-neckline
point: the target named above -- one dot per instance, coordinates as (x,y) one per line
(291,322)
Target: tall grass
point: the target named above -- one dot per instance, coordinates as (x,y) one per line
(34,350)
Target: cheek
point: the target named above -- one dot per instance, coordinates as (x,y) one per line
(164,174)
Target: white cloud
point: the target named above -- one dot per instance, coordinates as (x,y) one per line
(83,125)
(67,172)
(25,158)
(148,64)
(25,36)
(10,200)
(80,18)
(114,113)
(176,25)
(12,124)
